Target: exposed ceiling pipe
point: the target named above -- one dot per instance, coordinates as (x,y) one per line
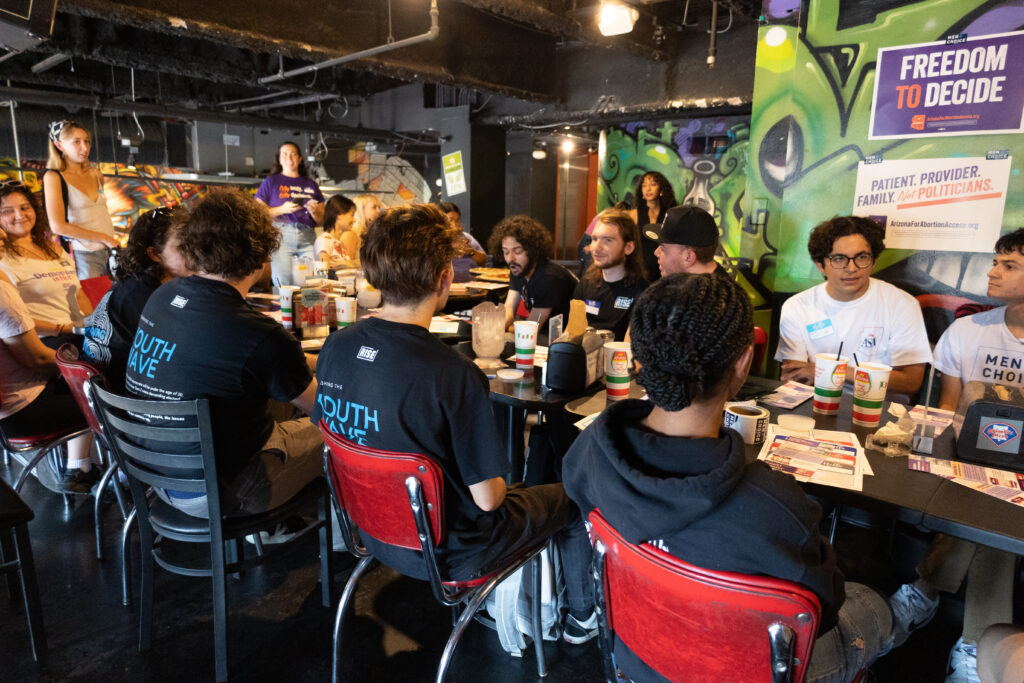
(50,62)
(714,32)
(71,100)
(290,102)
(431,34)
(14,134)
(257,98)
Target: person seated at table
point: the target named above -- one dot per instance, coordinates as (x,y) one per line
(339,214)
(664,471)
(198,338)
(982,347)
(687,241)
(33,397)
(150,258)
(386,383)
(870,318)
(542,285)
(42,272)
(368,207)
(469,253)
(610,286)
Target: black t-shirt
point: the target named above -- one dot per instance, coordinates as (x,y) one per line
(609,304)
(113,326)
(393,386)
(198,338)
(550,286)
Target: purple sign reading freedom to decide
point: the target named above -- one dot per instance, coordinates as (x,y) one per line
(958,87)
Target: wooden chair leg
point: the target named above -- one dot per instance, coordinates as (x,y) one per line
(30,591)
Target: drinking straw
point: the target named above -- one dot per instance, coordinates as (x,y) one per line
(839,353)
(928,394)
(855,359)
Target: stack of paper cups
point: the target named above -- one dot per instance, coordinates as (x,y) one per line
(287,294)
(526,343)
(346,310)
(870,381)
(617,356)
(829,377)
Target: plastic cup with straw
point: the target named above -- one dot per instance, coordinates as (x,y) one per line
(829,377)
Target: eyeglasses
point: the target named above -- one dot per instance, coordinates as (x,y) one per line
(861,260)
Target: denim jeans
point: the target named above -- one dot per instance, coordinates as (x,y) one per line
(296,241)
(865,624)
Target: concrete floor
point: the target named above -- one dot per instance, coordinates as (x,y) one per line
(278,631)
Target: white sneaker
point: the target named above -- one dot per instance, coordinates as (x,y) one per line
(911,609)
(281,534)
(963,663)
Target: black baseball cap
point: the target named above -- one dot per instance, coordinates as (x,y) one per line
(690,226)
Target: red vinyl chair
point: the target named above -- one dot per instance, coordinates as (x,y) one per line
(760,345)
(30,450)
(76,373)
(96,287)
(693,624)
(398,499)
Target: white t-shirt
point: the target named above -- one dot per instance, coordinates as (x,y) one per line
(980,347)
(47,286)
(334,248)
(884,325)
(19,385)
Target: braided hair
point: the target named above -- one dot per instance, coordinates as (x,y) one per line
(687,331)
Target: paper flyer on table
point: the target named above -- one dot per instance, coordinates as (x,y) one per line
(788,396)
(1008,486)
(835,459)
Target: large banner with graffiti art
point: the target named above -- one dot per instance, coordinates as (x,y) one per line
(959,86)
(816,67)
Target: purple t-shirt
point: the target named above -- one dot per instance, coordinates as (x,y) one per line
(279,189)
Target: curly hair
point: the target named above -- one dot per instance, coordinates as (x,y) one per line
(406,250)
(687,331)
(228,234)
(153,229)
(666,197)
(41,236)
(824,236)
(1011,242)
(534,237)
(277,168)
(629,232)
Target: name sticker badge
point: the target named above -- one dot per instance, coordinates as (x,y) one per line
(821,329)
(623,302)
(593,307)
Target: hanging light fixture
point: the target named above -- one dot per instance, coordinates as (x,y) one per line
(616,18)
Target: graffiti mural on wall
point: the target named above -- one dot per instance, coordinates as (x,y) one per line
(812,103)
(391,178)
(129,192)
(704,159)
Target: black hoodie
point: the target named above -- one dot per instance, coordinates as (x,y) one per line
(700,501)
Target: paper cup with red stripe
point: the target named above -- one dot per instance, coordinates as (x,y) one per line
(829,377)
(618,359)
(526,343)
(870,381)
(287,294)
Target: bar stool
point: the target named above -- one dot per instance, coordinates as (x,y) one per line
(16,559)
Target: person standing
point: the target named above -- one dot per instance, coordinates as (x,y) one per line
(544,287)
(75,203)
(296,206)
(651,201)
(616,278)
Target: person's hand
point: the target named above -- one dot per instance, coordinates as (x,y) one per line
(112,241)
(463,248)
(316,210)
(288,207)
(798,371)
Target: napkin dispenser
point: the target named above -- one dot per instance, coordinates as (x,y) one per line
(573,363)
(989,425)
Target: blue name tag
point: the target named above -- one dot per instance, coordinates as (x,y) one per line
(820,329)
(593,307)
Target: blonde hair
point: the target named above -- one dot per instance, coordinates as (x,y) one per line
(62,129)
(362,201)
